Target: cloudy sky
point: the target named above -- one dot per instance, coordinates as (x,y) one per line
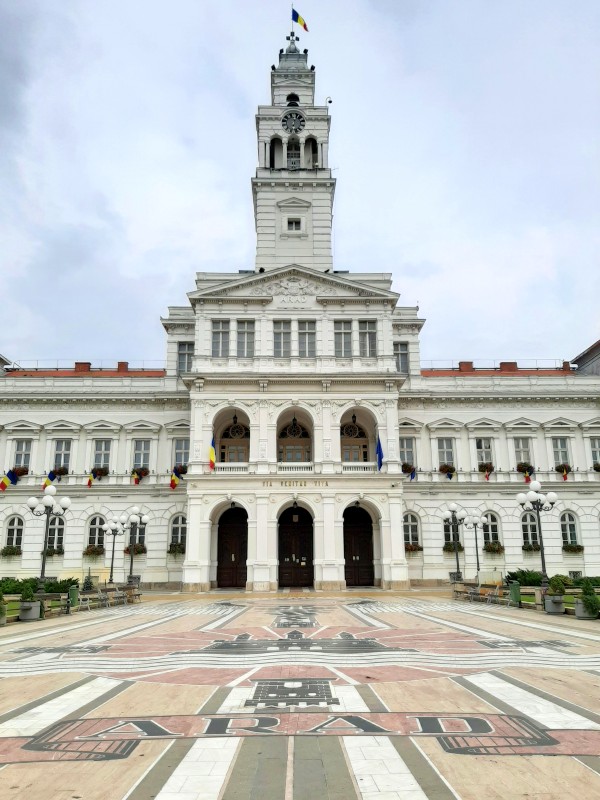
(464,141)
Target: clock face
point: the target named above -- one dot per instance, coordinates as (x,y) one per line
(293,122)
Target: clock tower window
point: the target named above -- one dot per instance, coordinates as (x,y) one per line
(292,99)
(293,154)
(311,153)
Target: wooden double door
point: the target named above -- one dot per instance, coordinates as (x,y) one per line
(358,547)
(296,548)
(232,549)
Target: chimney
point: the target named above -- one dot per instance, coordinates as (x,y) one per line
(83,366)
(509,366)
(122,366)
(465,366)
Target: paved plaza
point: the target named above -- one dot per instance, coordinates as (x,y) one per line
(300,696)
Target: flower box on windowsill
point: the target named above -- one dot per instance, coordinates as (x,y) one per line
(176,549)
(572,548)
(181,468)
(447,469)
(493,548)
(412,549)
(407,468)
(99,472)
(93,550)
(531,548)
(139,473)
(596,467)
(54,551)
(486,467)
(449,547)
(10,551)
(20,472)
(60,472)
(138,549)
(564,469)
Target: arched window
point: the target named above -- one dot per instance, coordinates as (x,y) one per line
(311,153)
(292,99)
(96,534)
(530,529)
(293,443)
(56,532)
(275,153)
(491,529)
(179,529)
(14,532)
(293,154)
(354,442)
(410,523)
(235,443)
(568,527)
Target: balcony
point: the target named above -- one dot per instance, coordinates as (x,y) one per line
(359,467)
(231,468)
(295,466)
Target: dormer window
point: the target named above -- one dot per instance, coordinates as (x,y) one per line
(292,99)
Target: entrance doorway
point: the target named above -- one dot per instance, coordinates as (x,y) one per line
(296,548)
(232,549)
(358,547)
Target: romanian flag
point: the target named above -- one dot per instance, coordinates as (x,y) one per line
(212,456)
(529,473)
(487,475)
(136,477)
(449,475)
(175,478)
(300,20)
(564,474)
(50,478)
(4,483)
(413,474)
(91,478)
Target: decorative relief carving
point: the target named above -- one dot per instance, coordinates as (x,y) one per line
(293,290)
(197,450)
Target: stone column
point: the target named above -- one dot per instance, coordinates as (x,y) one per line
(196,567)
(393,559)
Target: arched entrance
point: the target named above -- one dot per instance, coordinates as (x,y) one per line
(296,548)
(232,549)
(358,547)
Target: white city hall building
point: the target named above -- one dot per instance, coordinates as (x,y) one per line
(297,370)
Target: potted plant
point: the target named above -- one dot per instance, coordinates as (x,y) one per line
(596,467)
(572,548)
(447,469)
(495,548)
(30,607)
(524,466)
(60,472)
(564,469)
(94,550)
(2,610)
(99,473)
(55,551)
(11,550)
(412,548)
(487,467)
(588,605)
(181,469)
(139,549)
(531,548)
(20,472)
(553,602)
(176,549)
(449,547)
(407,468)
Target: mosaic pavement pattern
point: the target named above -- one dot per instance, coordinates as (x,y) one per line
(298,698)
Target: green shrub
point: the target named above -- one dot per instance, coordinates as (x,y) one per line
(526,577)
(2,606)
(27,595)
(556,586)
(589,598)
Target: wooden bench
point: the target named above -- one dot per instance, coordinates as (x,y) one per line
(54,604)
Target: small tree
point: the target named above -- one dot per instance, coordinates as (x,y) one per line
(589,598)
(2,606)
(556,587)
(87,582)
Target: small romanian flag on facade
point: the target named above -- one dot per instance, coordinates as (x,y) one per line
(300,20)
(212,455)
(564,474)
(413,474)
(529,473)
(487,475)
(11,477)
(50,478)
(136,477)
(175,478)
(91,478)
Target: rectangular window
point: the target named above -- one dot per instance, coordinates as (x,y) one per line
(182,451)
(560,449)
(220,338)
(367,338)
(342,332)
(141,453)
(307,339)
(595,442)
(245,338)
(22,453)
(401,357)
(56,533)
(449,534)
(484,450)
(446,451)
(185,353)
(102,453)
(354,452)
(523,450)
(62,453)
(282,338)
(294,225)
(234,453)
(407,450)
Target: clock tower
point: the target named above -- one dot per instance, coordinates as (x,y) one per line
(293,188)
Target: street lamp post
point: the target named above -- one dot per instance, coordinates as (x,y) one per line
(455,517)
(534,500)
(47,506)
(133,521)
(114,529)
(471,521)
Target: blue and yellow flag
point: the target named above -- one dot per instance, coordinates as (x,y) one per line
(300,20)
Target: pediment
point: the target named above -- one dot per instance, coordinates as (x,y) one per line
(445,423)
(142,426)
(181,426)
(293,202)
(405,424)
(292,281)
(484,424)
(560,423)
(22,426)
(102,426)
(590,424)
(62,426)
(522,423)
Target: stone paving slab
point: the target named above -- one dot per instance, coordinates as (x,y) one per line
(298,696)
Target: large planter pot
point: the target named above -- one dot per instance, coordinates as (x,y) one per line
(2,620)
(581,613)
(553,604)
(29,611)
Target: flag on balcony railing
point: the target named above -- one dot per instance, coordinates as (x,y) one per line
(50,478)
(564,474)
(136,477)
(92,477)
(487,475)
(379,453)
(413,474)
(212,456)
(175,477)
(529,473)
(11,477)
